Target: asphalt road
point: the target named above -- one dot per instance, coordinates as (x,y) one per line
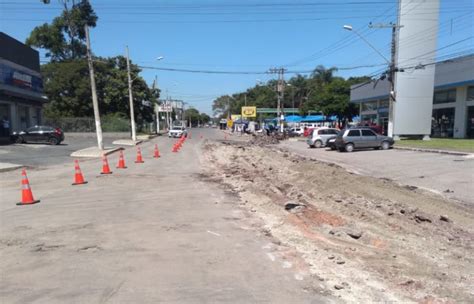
(448,175)
(41,155)
(157,232)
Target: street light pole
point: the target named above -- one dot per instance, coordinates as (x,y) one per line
(392,68)
(95,102)
(130,97)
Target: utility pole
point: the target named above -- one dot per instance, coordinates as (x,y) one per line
(280,91)
(95,102)
(391,73)
(130,97)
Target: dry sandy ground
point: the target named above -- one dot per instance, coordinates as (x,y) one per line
(361,238)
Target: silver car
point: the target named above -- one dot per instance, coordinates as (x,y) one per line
(361,138)
(318,137)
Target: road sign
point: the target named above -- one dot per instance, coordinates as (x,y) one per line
(165,108)
(249,112)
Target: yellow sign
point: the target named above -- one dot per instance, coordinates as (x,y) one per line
(230,123)
(235,117)
(249,111)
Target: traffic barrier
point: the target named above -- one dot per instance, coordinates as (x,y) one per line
(156,153)
(121,162)
(105,165)
(139,159)
(26,193)
(78,177)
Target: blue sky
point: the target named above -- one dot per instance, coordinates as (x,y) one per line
(246,35)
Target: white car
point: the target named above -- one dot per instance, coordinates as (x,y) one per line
(298,130)
(318,137)
(177,132)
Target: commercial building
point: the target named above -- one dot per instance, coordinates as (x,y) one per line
(452,108)
(21,86)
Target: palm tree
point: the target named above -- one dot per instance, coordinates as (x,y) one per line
(323,75)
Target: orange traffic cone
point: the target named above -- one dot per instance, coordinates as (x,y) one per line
(175,148)
(156,153)
(105,165)
(78,178)
(139,159)
(121,162)
(26,194)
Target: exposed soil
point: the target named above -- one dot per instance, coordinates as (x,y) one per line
(362,238)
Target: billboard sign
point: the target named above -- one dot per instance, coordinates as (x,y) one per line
(249,112)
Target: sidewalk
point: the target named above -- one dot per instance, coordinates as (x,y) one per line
(4,167)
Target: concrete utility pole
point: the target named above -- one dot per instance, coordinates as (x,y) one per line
(391,71)
(95,102)
(280,90)
(130,97)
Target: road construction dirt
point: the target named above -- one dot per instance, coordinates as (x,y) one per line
(361,238)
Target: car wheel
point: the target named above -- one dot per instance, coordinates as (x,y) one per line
(53,141)
(318,144)
(349,147)
(19,140)
(385,145)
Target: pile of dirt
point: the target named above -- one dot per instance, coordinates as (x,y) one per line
(363,239)
(264,140)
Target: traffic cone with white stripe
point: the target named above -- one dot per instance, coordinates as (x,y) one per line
(139,159)
(156,153)
(78,177)
(121,162)
(26,193)
(105,165)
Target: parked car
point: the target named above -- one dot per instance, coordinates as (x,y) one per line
(297,130)
(177,131)
(361,138)
(319,137)
(39,134)
(307,131)
(331,143)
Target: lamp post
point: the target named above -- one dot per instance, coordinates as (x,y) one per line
(392,69)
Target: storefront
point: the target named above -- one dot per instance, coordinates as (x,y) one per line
(453,100)
(21,87)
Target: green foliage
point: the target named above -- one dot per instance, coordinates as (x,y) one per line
(66,78)
(67,85)
(195,117)
(320,92)
(64,38)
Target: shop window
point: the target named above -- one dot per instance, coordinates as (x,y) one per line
(470,122)
(444,96)
(369,106)
(442,123)
(470,93)
(384,103)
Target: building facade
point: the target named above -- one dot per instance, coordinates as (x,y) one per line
(452,108)
(21,86)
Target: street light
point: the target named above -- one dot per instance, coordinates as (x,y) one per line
(349,28)
(392,70)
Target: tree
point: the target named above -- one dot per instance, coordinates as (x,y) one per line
(66,77)
(64,38)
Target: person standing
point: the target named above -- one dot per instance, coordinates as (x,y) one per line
(6,127)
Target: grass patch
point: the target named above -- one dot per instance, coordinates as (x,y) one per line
(449,144)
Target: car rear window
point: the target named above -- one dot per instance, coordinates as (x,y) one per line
(353,133)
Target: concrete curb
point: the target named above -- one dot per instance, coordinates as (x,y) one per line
(5,167)
(126,142)
(434,151)
(94,152)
